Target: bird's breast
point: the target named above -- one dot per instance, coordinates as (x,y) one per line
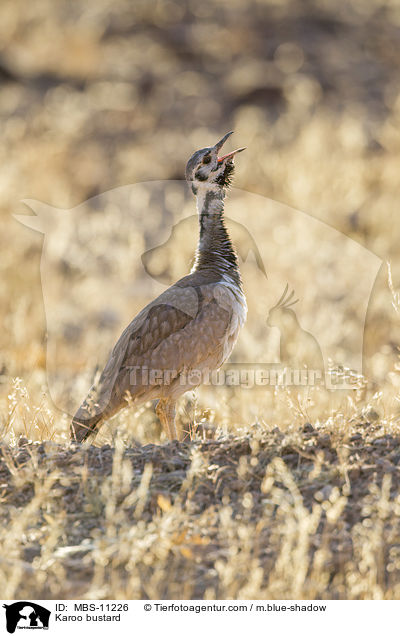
(231,299)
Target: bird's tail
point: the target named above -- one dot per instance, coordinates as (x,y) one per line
(88,417)
(84,425)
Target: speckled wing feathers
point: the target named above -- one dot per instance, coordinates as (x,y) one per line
(165,337)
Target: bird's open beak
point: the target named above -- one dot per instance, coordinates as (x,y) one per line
(229,155)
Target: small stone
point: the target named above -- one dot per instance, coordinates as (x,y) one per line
(326,491)
(31,552)
(354,473)
(370,415)
(381,441)
(324,440)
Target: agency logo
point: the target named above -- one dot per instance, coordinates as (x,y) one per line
(26,615)
(307,286)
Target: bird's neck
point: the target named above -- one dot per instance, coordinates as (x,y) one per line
(215,251)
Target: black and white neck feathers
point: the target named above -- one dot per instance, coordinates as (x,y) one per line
(215,251)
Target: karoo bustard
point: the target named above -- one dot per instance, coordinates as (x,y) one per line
(190,329)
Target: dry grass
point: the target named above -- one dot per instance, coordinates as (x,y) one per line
(309,513)
(280,494)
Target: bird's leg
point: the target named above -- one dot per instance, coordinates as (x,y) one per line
(165,410)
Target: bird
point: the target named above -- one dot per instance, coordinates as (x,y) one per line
(190,329)
(298,347)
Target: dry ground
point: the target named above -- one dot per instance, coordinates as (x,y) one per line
(312,513)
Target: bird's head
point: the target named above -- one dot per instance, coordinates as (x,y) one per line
(205,167)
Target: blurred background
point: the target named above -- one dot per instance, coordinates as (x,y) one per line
(101,94)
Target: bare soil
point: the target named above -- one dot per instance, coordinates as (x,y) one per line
(230,474)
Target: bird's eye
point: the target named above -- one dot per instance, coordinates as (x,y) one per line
(207,159)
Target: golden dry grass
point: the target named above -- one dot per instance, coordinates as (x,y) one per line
(296,492)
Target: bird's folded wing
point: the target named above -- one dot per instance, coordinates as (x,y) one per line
(171,331)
